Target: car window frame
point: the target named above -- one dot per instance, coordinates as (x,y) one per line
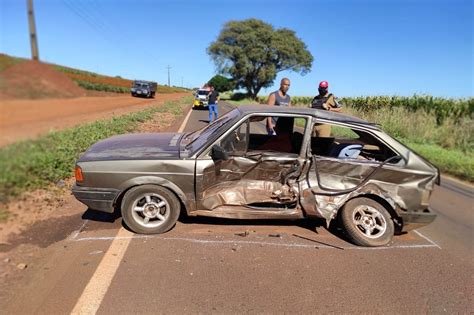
(205,154)
(402,163)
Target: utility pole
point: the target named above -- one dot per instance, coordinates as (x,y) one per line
(168,74)
(33,37)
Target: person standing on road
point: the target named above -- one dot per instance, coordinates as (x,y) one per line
(324,101)
(278,98)
(212,103)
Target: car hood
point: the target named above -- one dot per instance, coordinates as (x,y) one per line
(140,146)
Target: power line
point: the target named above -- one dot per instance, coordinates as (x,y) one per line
(85,19)
(96,19)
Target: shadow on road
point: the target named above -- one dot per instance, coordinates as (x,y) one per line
(309,224)
(93,215)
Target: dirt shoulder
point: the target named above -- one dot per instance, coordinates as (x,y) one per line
(27,119)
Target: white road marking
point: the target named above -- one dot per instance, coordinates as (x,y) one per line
(288,245)
(181,128)
(76,233)
(94,292)
(426,238)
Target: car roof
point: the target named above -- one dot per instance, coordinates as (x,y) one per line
(317,113)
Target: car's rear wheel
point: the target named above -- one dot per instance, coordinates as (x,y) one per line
(150,209)
(367,223)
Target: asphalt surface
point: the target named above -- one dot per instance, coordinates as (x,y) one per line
(228,266)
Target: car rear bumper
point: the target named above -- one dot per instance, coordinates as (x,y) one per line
(101,199)
(414,220)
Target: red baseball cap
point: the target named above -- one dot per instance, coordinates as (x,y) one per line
(324,84)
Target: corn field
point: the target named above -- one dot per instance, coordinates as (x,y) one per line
(442,108)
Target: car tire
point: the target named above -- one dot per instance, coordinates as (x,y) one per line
(150,209)
(367,222)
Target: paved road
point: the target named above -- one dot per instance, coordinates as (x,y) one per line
(228,266)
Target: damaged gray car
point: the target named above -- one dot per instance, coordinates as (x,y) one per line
(372,185)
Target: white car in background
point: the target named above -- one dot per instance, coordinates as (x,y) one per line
(201,98)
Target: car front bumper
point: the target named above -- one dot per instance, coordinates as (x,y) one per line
(200,103)
(414,220)
(101,199)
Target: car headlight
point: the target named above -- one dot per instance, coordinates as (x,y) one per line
(145,91)
(134,89)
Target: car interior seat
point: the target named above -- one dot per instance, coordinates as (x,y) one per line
(346,151)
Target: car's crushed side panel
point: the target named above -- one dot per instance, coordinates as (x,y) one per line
(242,181)
(404,190)
(245,192)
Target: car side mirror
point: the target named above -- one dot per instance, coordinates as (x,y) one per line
(218,153)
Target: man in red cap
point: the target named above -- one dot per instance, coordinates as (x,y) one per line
(324,101)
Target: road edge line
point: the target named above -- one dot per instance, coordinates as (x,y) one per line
(98,285)
(183,124)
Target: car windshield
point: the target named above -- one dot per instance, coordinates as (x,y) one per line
(143,85)
(196,139)
(203,92)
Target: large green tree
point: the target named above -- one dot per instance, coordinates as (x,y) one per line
(221,83)
(252,52)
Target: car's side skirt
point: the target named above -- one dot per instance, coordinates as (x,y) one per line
(239,212)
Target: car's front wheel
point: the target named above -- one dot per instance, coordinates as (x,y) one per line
(366,222)
(150,209)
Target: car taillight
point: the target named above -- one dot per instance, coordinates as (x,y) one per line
(78,174)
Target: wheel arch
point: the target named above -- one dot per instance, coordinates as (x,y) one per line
(397,221)
(153,180)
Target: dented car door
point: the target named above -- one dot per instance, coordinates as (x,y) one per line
(246,177)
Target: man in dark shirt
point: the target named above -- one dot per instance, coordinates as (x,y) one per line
(278,98)
(324,101)
(212,103)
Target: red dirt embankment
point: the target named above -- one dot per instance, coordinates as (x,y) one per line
(25,119)
(36,80)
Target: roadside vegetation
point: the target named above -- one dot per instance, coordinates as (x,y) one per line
(93,81)
(102,87)
(36,163)
(440,129)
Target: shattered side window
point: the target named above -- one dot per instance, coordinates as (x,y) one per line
(345,143)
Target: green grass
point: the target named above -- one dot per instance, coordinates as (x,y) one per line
(36,163)
(454,162)
(245,101)
(101,87)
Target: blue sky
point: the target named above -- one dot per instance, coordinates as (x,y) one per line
(366,47)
